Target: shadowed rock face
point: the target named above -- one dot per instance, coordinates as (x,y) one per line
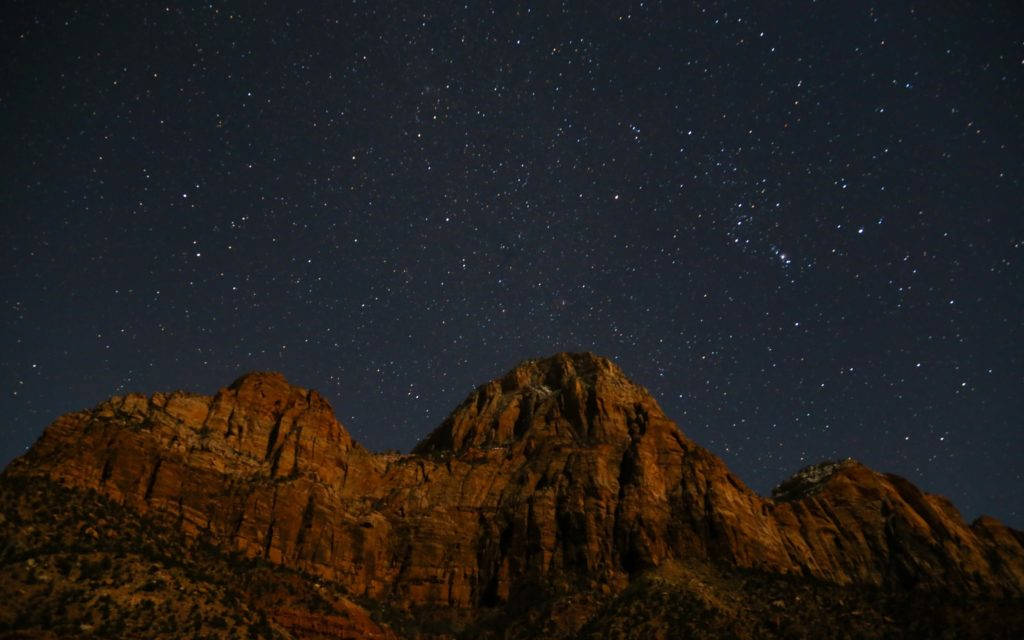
(563,474)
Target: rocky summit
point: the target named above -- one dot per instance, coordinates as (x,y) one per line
(555,502)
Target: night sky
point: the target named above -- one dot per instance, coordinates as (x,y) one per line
(800,226)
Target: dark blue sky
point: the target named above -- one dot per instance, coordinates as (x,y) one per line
(799,226)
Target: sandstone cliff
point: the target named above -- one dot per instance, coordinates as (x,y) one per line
(562,476)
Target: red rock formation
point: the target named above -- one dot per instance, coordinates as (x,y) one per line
(562,475)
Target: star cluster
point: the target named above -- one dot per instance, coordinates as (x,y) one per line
(798,225)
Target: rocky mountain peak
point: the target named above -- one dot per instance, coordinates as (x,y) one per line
(251,378)
(562,370)
(580,397)
(262,415)
(259,426)
(810,479)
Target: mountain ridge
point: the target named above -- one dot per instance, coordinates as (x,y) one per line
(561,477)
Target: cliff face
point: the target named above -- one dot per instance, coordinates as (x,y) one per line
(562,475)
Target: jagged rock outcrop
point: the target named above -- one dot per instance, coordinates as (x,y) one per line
(563,475)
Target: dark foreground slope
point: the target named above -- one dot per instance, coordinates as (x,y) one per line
(76,564)
(557,501)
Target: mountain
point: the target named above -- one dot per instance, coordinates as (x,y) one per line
(555,502)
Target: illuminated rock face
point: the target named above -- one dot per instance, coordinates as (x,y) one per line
(562,474)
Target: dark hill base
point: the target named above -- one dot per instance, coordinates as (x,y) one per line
(75,564)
